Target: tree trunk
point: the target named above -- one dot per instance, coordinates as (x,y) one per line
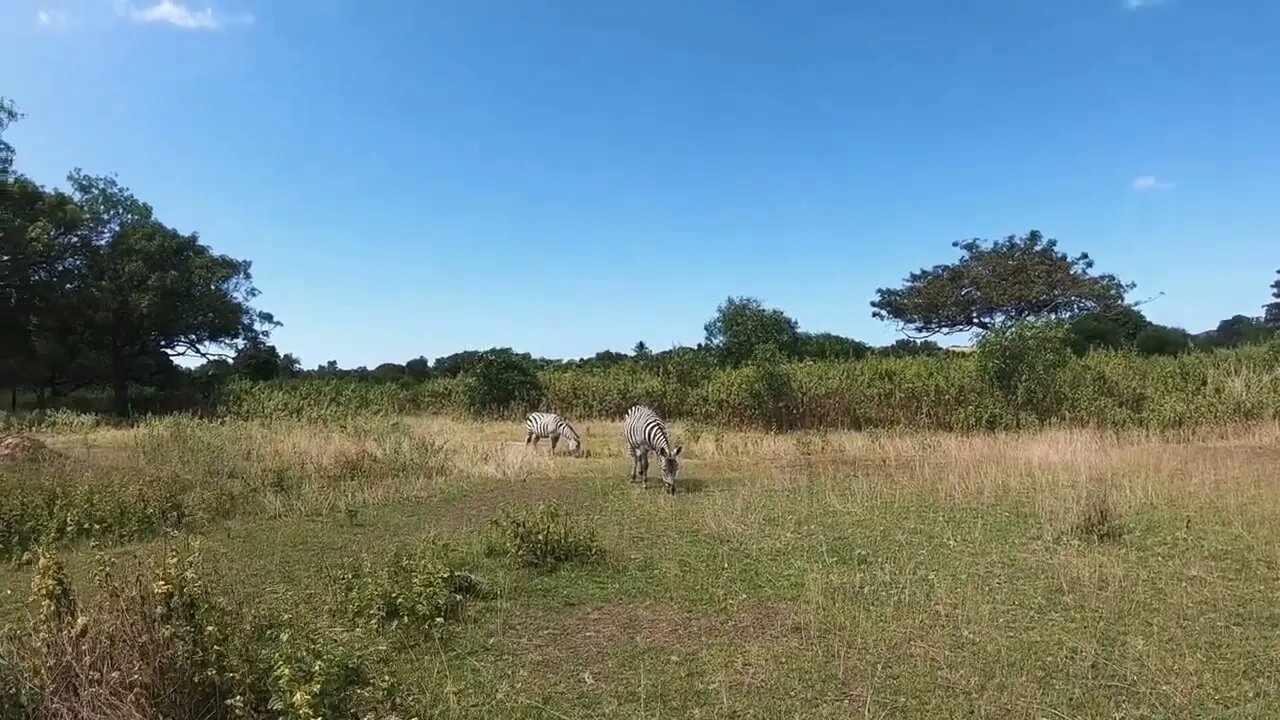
(119,382)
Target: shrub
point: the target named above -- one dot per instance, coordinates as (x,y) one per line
(545,537)
(759,394)
(501,384)
(414,589)
(1023,365)
(161,642)
(1097,521)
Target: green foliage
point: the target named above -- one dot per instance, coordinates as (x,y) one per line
(544,537)
(742,325)
(501,384)
(1272,310)
(8,114)
(1112,330)
(1235,331)
(830,347)
(991,285)
(163,642)
(759,394)
(419,589)
(1024,365)
(1161,340)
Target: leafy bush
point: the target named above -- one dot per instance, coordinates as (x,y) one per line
(760,394)
(1023,364)
(1017,382)
(545,537)
(502,384)
(161,642)
(420,590)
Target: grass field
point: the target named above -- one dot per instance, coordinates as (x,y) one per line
(1061,574)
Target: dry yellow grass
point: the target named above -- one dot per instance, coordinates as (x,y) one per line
(1062,573)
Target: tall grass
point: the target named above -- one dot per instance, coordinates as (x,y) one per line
(1109,390)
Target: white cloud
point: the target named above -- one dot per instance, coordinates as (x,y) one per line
(1139,4)
(177,14)
(51,18)
(1149,182)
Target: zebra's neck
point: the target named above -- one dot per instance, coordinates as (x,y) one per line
(567,430)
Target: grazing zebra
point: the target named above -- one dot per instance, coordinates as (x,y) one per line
(647,433)
(549,425)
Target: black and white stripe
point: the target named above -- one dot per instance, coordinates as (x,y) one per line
(549,425)
(646,433)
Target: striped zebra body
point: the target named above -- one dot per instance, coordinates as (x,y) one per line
(646,433)
(541,425)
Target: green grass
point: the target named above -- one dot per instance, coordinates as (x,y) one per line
(832,576)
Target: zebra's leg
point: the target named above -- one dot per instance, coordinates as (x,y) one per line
(554,440)
(635,464)
(644,468)
(528,437)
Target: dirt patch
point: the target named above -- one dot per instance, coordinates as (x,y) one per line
(21,447)
(582,640)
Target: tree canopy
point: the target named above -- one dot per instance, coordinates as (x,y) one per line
(992,284)
(95,289)
(742,325)
(1272,309)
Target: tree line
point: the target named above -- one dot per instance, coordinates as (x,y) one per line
(95,291)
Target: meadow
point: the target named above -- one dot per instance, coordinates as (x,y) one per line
(400,565)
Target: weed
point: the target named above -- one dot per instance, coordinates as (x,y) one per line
(543,537)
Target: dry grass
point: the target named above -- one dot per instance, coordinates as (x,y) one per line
(1062,573)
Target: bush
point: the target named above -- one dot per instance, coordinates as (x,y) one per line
(759,394)
(162,643)
(1023,365)
(420,590)
(502,384)
(545,537)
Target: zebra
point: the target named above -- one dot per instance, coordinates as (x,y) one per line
(549,425)
(647,433)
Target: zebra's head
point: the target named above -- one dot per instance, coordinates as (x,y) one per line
(575,445)
(671,467)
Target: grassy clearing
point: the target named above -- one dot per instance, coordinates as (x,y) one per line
(1059,574)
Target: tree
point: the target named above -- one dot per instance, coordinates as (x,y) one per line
(910,347)
(501,382)
(260,360)
(389,372)
(40,260)
(642,352)
(418,368)
(605,358)
(1235,331)
(455,364)
(1017,278)
(1272,316)
(742,325)
(8,115)
(148,288)
(1111,330)
(829,346)
(1162,340)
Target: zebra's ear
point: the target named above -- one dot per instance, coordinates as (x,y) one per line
(676,452)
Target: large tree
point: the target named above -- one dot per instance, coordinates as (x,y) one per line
(742,325)
(8,114)
(1017,278)
(148,288)
(1272,316)
(829,346)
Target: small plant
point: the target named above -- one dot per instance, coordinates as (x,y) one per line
(1097,520)
(419,589)
(544,537)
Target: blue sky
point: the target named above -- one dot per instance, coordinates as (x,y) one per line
(419,177)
